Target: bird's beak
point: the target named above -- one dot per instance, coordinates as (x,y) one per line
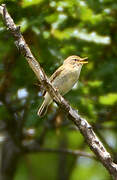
(83,60)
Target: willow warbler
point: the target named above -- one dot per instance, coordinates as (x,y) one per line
(63,79)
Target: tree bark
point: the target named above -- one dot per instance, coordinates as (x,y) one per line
(85,128)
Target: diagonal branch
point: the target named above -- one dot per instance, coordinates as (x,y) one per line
(84,127)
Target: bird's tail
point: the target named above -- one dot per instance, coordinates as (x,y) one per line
(43,109)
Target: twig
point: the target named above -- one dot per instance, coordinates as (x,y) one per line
(36,148)
(84,127)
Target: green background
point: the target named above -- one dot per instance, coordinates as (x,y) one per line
(55,30)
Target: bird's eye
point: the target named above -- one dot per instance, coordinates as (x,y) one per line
(75,59)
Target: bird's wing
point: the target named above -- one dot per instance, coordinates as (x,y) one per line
(56,73)
(53,77)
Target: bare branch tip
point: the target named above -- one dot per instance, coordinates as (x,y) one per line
(1,9)
(4,7)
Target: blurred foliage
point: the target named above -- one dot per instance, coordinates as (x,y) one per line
(54,30)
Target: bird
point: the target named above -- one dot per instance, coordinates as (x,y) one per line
(63,79)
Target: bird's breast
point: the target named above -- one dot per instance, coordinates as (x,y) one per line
(66,80)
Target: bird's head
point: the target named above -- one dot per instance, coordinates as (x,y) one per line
(76,60)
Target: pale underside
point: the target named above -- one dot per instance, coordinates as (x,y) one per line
(64,79)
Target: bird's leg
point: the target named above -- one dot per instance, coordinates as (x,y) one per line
(56,89)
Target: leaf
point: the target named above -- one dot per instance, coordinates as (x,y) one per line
(109,99)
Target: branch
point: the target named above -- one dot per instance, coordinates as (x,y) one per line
(84,127)
(36,148)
